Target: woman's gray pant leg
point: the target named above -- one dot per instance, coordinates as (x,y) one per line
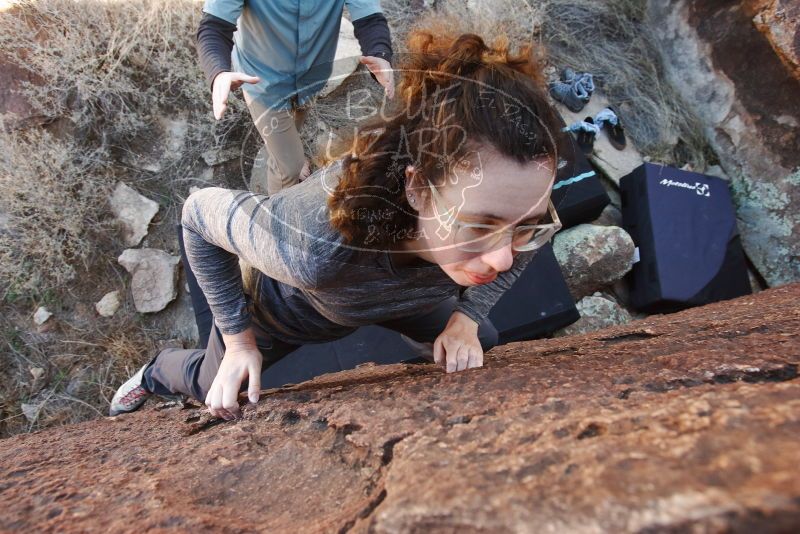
(192,371)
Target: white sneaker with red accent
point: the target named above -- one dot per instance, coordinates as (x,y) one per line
(130,396)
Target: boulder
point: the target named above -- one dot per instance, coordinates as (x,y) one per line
(592,257)
(155,275)
(597,312)
(779,21)
(745,97)
(679,423)
(133,211)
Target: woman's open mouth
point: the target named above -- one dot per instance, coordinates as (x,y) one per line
(476,279)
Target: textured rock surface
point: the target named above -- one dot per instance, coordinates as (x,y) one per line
(597,312)
(133,211)
(109,304)
(592,257)
(13,101)
(155,274)
(610,216)
(687,422)
(779,21)
(747,99)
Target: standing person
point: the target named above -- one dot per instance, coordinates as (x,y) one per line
(281,52)
(428,218)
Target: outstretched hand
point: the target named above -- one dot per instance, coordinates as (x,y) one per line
(383,72)
(224,83)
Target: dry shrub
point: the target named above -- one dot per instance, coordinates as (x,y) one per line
(107,63)
(612,40)
(53,196)
(107,75)
(112,70)
(81,370)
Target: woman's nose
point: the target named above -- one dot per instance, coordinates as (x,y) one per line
(500,258)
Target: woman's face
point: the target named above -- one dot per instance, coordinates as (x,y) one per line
(485,188)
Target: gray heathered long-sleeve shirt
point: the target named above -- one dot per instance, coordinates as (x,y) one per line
(316,288)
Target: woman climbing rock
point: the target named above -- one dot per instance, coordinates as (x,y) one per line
(429,213)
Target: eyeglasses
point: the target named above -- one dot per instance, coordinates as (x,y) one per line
(476,237)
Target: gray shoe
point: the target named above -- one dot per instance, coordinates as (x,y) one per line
(565,93)
(130,396)
(573,89)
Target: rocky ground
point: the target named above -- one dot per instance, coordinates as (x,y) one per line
(672,423)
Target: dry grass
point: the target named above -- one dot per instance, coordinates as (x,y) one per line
(107,64)
(69,372)
(611,39)
(53,195)
(113,72)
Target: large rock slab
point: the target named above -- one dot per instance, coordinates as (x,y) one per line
(680,423)
(747,99)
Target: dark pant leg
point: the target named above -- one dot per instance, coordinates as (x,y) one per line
(427,326)
(192,371)
(202,311)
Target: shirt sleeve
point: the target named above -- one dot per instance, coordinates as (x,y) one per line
(227,10)
(361,8)
(214,46)
(221,225)
(477,301)
(374,36)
